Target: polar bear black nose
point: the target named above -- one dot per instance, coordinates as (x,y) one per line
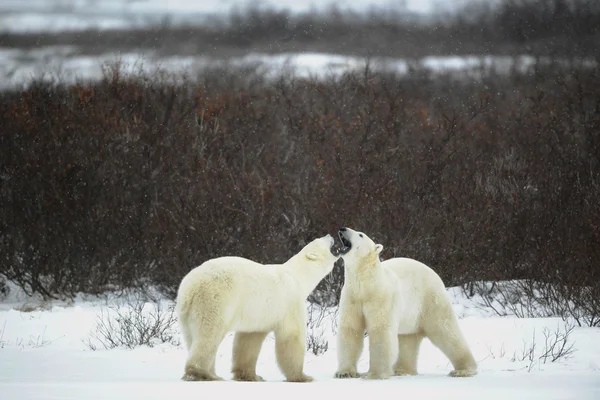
(343,229)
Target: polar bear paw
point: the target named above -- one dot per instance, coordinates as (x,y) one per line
(193,376)
(404,372)
(347,374)
(376,375)
(302,378)
(247,377)
(462,373)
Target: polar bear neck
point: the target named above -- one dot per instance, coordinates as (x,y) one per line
(307,277)
(365,269)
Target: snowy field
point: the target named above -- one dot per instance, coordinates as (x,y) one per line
(45,354)
(20,66)
(74,15)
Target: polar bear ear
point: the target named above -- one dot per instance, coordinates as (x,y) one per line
(312,256)
(378,248)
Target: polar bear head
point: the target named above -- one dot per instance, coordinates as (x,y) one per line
(321,251)
(358,247)
(315,261)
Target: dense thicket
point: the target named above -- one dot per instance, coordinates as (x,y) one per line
(135,180)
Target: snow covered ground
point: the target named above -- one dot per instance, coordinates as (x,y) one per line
(18,67)
(58,15)
(44,355)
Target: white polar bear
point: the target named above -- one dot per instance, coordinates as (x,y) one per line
(398,302)
(236,294)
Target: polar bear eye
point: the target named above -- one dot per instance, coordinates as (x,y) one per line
(360,234)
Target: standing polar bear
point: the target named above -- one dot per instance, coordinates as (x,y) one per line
(398,302)
(236,294)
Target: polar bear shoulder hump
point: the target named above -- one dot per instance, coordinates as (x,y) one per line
(408,267)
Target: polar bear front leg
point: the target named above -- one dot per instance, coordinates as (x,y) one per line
(383,338)
(383,348)
(350,342)
(289,349)
(290,345)
(246,349)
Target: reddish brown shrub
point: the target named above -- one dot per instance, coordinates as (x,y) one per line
(135,180)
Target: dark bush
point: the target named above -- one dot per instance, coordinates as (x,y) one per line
(134,180)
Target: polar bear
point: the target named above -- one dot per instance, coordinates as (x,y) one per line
(398,302)
(236,294)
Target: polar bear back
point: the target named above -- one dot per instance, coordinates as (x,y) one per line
(255,296)
(419,289)
(410,270)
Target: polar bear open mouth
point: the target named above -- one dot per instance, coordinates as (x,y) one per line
(335,250)
(347,245)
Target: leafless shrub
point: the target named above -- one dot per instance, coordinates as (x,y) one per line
(585,306)
(316,343)
(2,341)
(320,316)
(4,289)
(327,293)
(495,355)
(132,324)
(32,341)
(136,179)
(320,319)
(557,345)
(527,353)
(38,341)
(529,298)
(521,298)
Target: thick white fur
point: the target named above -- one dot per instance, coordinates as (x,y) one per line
(236,294)
(398,302)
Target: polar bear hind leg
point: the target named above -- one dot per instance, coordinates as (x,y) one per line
(185,331)
(200,365)
(408,347)
(448,338)
(246,349)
